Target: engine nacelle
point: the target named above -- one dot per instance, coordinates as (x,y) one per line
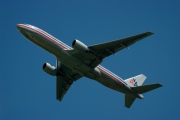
(50,69)
(78,45)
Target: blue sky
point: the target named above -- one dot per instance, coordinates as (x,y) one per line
(29,93)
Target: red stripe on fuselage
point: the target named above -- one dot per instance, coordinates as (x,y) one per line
(109,74)
(51,39)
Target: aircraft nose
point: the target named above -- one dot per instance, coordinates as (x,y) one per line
(19,26)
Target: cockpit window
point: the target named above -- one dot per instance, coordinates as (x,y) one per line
(27,24)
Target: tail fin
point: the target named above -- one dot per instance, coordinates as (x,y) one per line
(139,89)
(146,88)
(136,81)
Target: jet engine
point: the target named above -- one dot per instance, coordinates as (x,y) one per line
(78,45)
(50,69)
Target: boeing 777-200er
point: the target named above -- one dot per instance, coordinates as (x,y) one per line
(81,60)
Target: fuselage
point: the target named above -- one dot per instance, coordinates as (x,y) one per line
(59,49)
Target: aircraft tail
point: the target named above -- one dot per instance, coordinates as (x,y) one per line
(136,81)
(139,89)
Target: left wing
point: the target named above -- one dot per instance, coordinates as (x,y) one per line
(64,80)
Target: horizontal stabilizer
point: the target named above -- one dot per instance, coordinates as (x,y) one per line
(129,100)
(146,88)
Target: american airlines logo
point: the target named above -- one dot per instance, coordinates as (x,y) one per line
(133,82)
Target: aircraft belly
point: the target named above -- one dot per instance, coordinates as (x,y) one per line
(73,63)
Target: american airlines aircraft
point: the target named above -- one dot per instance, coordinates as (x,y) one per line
(82,60)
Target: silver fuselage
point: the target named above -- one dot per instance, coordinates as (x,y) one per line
(60,50)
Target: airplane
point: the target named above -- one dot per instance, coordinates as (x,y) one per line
(80,60)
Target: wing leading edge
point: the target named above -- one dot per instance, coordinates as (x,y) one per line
(105,49)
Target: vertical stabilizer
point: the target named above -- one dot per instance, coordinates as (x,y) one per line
(136,81)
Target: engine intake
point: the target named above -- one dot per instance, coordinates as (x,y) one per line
(78,45)
(48,68)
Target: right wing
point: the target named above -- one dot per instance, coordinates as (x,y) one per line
(99,51)
(64,80)
(105,49)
